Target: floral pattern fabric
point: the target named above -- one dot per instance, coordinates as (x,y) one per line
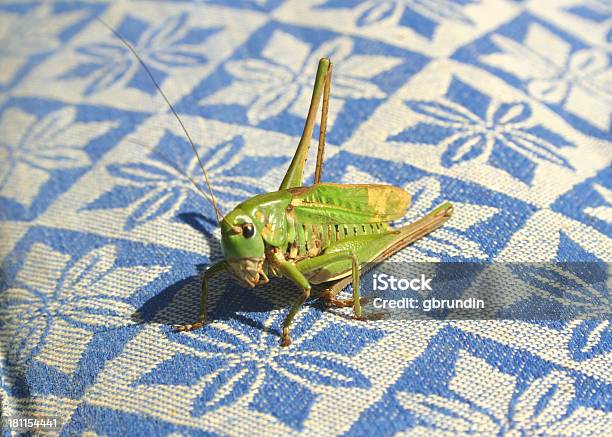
(502,107)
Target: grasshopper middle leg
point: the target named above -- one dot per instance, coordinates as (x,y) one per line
(295,273)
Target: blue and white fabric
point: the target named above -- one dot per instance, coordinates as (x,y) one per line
(502,107)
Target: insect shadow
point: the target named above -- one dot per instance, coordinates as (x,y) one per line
(179,302)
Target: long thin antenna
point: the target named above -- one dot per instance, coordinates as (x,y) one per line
(171,164)
(129,46)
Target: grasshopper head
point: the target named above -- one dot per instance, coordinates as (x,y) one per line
(243,247)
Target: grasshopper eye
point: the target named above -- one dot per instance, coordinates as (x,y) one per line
(248,230)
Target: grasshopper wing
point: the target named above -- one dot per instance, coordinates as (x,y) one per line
(349,203)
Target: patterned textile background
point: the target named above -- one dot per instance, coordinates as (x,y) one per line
(501,107)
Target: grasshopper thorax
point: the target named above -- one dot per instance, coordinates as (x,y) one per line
(243,247)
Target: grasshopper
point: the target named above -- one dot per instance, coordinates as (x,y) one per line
(314,234)
(323,233)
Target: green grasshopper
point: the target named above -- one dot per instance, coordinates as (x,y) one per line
(323,233)
(314,234)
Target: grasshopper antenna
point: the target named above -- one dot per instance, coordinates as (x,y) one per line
(131,49)
(171,164)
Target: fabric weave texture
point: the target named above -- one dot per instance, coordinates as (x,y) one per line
(502,107)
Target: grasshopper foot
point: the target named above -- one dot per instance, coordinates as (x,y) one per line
(342,303)
(286,340)
(189,327)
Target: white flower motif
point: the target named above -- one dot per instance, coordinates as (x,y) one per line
(601,7)
(282,77)
(233,359)
(580,81)
(377,11)
(589,338)
(173,43)
(603,212)
(451,239)
(55,306)
(467,136)
(437,10)
(31,148)
(29,34)
(491,407)
(157,187)
(572,291)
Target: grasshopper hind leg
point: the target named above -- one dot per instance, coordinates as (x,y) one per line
(330,297)
(396,240)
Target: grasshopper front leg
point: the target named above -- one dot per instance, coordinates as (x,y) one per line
(208,274)
(290,271)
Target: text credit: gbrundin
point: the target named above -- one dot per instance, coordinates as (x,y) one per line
(384,282)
